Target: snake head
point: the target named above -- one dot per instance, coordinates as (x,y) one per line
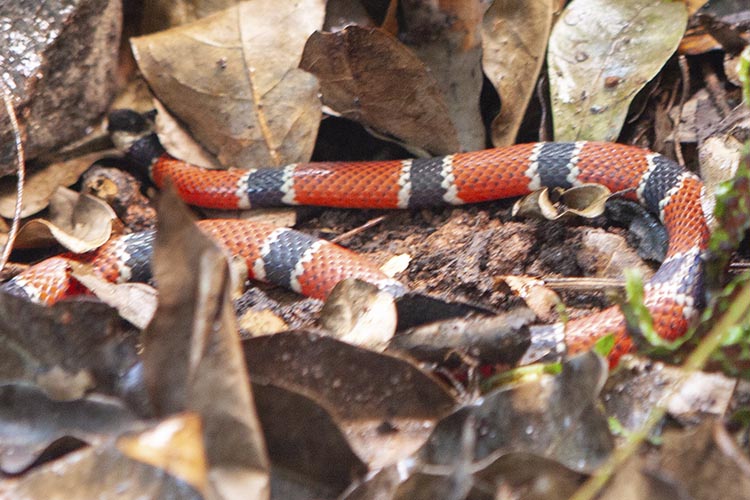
(133,134)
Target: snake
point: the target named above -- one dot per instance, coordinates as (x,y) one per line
(312,267)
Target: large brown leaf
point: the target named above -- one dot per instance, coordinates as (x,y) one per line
(192,356)
(232,78)
(366,75)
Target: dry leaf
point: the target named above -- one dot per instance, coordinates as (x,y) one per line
(446,36)
(366,75)
(232,78)
(540,299)
(135,302)
(78,222)
(192,357)
(177,140)
(601,53)
(42,183)
(175,445)
(586,200)
(514,39)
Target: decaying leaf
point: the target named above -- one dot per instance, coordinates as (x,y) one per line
(601,53)
(446,36)
(41,184)
(501,338)
(347,379)
(80,343)
(692,463)
(554,417)
(177,140)
(192,357)
(720,154)
(514,40)
(175,445)
(31,422)
(366,75)
(303,438)
(232,77)
(107,471)
(607,255)
(633,391)
(136,302)
(540,299)
(78,222)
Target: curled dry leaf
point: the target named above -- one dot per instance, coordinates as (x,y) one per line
(41,184)
(601,53)
(586,200)
(446,36)
(232,78)
(366,75)
(78,222)
(514,40)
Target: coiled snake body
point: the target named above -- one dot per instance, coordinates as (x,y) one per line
(312,267)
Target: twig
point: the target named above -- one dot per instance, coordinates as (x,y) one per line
(367,225)
(685,71)
(715,89)
(7,99)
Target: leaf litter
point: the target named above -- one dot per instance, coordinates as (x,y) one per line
(300,414)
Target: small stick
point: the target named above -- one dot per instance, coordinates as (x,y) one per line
(7,99)
(367,225)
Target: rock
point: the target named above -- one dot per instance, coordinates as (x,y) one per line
(59,61)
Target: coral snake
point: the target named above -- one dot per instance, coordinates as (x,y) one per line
(312,267)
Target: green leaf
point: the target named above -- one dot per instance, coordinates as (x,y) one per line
(601,53)
(605,345)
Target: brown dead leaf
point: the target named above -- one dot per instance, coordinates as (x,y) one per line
(514,36)
(446,36)
(104,472)
(65,348)
(248,103)
(78,222)
(607,255)
(136,302)
(366,75)
(303,437)
(41,184)
(31,422)
(177,140)
(192,357)
(348,380)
